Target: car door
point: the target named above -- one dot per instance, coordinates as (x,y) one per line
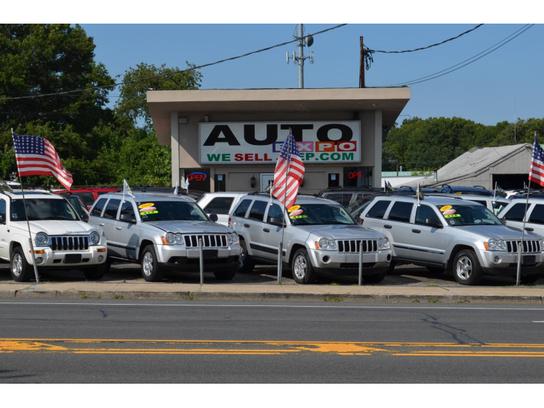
(428,238)
(397,222)
(108,223)
(536,219)
(272,229)
(373,217)
(254,224)
(125,233)
(513,217)
(4,241)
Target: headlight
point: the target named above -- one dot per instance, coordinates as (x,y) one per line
(326,244)
(233,239)
(383,244)
(172,239)
(94,238)
(42,239)
(495,245)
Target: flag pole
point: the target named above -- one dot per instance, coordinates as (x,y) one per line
(26,216)
(284,224)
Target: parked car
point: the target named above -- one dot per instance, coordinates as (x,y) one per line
(88,195)
(455,235)
(164,231)
(514,214)
(319,238)
(60,238)
(221,204)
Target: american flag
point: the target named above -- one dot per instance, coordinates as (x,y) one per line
(288,174)
(36,156)
(536,171)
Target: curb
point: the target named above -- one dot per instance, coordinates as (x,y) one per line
(30,293)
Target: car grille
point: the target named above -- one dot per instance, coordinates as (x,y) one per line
(354,245)
(69,243)
(528,246)
(208,240)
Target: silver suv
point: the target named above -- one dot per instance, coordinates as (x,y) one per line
(457,235)
(513,215)
(320,237)
(164,230)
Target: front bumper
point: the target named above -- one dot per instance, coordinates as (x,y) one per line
(223,258)
(346,263)
(46,257)
(505,263)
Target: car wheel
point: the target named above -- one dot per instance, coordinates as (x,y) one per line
(466,267)
(246,263)
(301,267)
(225,275)
(374,278)
(21,270)
(150,266)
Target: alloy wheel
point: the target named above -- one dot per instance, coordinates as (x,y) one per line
(147,264)
(463,267)
(300,267)
(17,265)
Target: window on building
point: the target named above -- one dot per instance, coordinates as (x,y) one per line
(357,176)
(220,182)
(199,178)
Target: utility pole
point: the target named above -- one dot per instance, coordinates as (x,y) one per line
(361,62)
(303,41)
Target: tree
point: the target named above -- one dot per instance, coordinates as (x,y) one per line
(137,81)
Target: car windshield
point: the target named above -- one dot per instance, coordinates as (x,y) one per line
(41,209)
(461,215)
(170,211)
(319,214)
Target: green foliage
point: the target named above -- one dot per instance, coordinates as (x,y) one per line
(137,81)
(428,144)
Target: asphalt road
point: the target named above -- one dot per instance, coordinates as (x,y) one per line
(242,342)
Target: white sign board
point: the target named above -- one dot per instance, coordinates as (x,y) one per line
(260,142)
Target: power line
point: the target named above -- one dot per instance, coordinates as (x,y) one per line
(426,47)
(470,60)
(193,68)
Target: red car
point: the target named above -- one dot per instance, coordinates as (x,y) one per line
(88,195)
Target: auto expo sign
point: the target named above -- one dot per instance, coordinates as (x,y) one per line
(260,142)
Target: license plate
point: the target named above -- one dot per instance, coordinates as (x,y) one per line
(209,253)
(528,260)
(72,258)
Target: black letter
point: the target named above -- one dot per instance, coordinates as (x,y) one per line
(297,130)
(271,135)
(228,136)
(323,133)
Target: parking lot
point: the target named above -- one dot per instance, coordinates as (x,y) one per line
(405,275)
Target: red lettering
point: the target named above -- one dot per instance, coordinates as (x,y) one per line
(238,157)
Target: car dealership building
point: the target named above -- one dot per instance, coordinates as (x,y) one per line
(228,140)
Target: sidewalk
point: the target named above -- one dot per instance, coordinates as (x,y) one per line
(270,291)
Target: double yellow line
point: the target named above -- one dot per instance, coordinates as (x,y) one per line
(266,347)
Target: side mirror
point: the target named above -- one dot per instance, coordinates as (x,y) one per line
(127,218)
(276,221)
(434,224)
(214,217)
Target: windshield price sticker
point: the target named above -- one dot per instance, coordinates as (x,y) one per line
(147,209)
(295,212)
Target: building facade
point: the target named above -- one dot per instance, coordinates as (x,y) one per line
(228,140)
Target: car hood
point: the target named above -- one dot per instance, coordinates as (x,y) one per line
(341,231)
(197,227)
(497,232)
(54,227)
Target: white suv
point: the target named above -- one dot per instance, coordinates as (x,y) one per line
(60,238)
(220,204)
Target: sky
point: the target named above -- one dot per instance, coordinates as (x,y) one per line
(504,85)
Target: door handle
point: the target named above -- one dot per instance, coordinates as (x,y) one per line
(416,231)
(266,230)
(101,224)
(529,229)
(387,226)
(246,225)
(118,228)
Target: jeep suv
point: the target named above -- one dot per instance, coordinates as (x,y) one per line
(514,213)
(60,238)
(160,231)
(319,237)
(457,235)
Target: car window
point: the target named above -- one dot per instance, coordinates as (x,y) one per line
(319,214)
(537,216)
(425,215)
(99,206)
(111,209)
(274,211)
(401,211)
(219,205)
(242,208)
(484,203)
(3,211)
(378,209)
(170,211)
(86,198)
(515,213)
(257,210)
(499,205)
(127,210)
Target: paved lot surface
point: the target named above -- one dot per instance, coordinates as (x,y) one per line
(78,341)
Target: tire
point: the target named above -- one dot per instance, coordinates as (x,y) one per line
(227,275)
(151,270)
(374,278)
(97,272)
(20,269)
(301,267)
(246,263)
(466,268)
